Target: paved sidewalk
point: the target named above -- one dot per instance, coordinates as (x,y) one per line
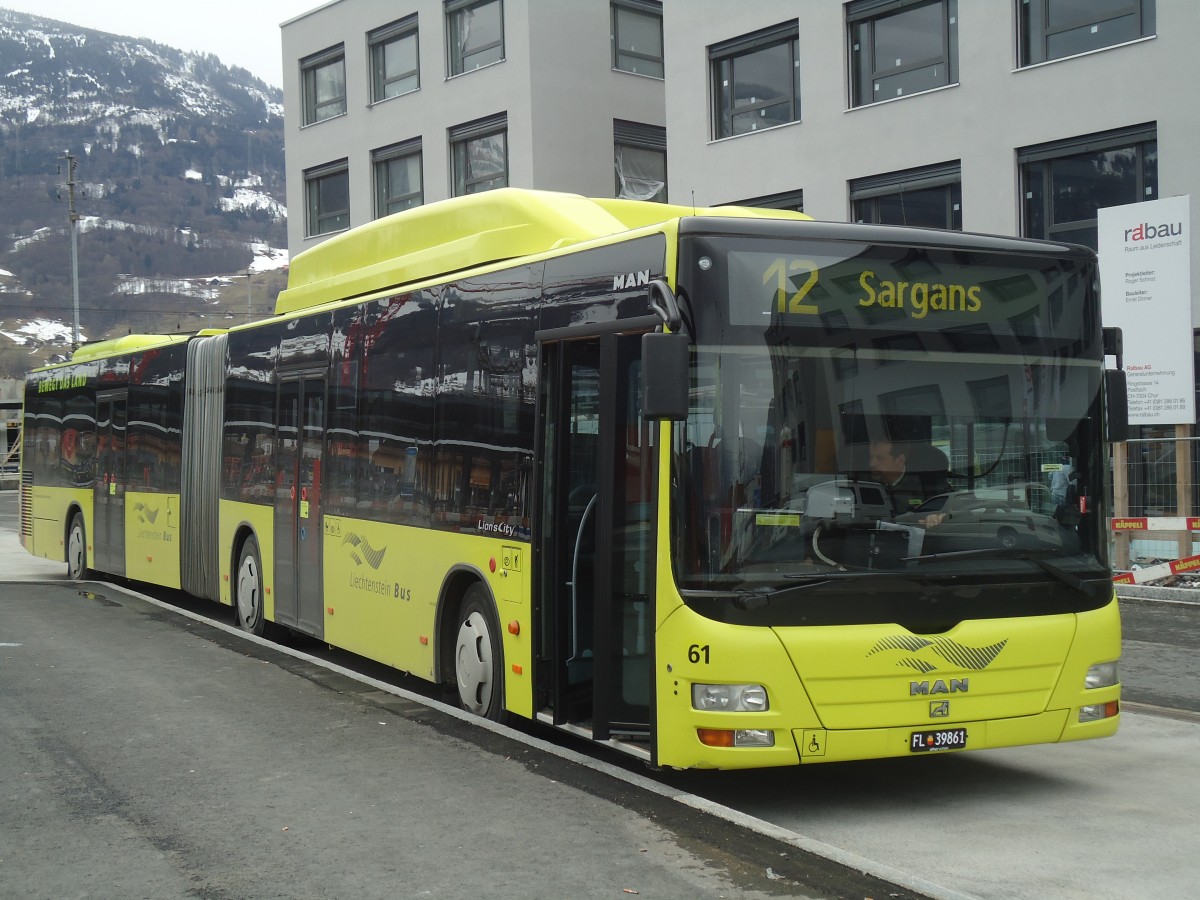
(18,565)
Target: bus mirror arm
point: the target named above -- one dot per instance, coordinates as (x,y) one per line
(1116,393)
(1114,344)
(1116,399)
(662,301)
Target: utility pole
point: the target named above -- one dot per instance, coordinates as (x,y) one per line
(74,219)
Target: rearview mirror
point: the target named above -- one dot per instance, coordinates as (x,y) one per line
(1116,399)
(665,378)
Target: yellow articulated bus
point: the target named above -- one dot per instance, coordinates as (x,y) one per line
(721,488)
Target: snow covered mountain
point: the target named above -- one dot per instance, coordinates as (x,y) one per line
(178,186)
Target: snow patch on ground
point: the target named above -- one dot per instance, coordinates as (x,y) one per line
(41,331)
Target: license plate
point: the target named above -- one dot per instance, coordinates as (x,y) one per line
(942,739)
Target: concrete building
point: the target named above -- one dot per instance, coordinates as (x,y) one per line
(392,104)
(1019,117)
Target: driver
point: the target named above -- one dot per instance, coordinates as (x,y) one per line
(911,473)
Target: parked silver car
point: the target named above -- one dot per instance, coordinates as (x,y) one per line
(1017,516)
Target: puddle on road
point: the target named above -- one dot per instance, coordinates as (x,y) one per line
(99,598)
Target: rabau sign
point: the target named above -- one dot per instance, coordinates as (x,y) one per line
(1146,291)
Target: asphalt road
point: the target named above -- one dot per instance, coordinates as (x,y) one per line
(145,752)
(278,740)
(1160,653)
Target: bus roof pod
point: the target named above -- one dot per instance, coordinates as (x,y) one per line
(130,343)
(464,233)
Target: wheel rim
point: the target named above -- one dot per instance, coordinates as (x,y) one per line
(248,601)
(1008,539)
(75,552)
(473,664)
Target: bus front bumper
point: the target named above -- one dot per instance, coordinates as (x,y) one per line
(817,745)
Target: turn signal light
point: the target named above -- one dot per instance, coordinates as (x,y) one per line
(1099,711)
(741,737)
(715,737)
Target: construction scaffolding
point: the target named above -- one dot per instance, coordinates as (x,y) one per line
(1155,498)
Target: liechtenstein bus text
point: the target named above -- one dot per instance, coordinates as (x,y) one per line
(861,516)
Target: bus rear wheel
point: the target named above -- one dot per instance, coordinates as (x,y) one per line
(478,658)
(248,597)
(77,569)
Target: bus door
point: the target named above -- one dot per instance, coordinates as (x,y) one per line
(300,442)
(595,547)
(108,508)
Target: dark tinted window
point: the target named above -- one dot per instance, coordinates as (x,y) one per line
(392,458)
(247,465)
(1053,29)
(486,391)
(155,407)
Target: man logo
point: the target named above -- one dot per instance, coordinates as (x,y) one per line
(939,709)
(631,280)
(956,686)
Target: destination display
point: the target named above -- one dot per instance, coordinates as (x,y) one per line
(868,286)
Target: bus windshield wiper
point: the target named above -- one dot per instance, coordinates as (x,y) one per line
(1089,589)
(817,577)
(754,598)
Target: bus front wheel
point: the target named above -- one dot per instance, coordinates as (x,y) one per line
(478,659)
(248,601)
(77,568)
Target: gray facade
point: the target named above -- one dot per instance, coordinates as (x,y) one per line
(991,115)
(554,90)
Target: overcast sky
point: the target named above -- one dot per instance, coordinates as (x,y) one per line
(240,32)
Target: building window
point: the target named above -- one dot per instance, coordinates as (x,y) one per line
(475,31)
(756,81)
(395,64)
(901,47)
(637,37)
(640,158)
(1053,29)
(397,177)
(327,193)
(1064,183)
(790,200)
(479,155)
(323,80)
(929,197)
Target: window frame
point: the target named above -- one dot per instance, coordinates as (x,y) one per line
(945,176)
(647,9)
(460,136)
(378,41)
(785,200)
(727,53)
(382,194)
(456,62)
(309,67)
(861,48)
(313,215)
(1034,31)
(638,136)
(1039,159)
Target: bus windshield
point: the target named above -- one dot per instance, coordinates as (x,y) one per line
(888,412)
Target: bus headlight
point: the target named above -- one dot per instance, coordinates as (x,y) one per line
(730,697)
(1099,711)
(742,737)
(1101,675)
